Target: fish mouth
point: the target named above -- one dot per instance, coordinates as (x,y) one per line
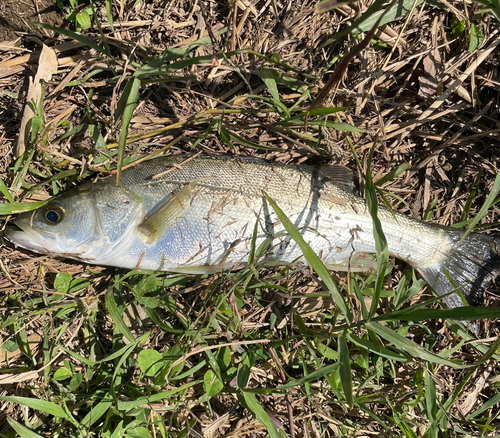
(41,242)
(28,238)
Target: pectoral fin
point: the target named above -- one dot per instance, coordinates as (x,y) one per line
(167,215)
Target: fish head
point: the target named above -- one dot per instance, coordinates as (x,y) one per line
(87,223)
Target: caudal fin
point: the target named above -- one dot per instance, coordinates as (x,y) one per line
(472,266)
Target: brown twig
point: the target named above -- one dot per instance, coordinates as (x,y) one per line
(288,397)
(337,75)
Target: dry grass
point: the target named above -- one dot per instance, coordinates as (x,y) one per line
(427,100)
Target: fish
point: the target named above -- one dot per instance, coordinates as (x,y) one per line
(203,214)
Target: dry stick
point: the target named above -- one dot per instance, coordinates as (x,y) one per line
(154,154)
(376,81)
(246,13)
(288,398)
(394,67)
(452,139)
(337,75)
(468,34)
(467,125)
(207,24)
(276,13)
(441,99)
(60,155)
(175,167)
(72,73)
(34,56)
(234,29)
(47,67)
(54,123)
(215,347)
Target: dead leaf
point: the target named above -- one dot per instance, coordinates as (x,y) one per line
(47,66)
(431,84)
(432,63)
(428,86)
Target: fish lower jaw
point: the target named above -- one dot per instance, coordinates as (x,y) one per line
(23,240)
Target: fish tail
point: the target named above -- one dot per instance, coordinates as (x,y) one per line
(471,267)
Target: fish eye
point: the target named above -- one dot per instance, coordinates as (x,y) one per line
(53,214)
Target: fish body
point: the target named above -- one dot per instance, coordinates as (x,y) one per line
(199,214)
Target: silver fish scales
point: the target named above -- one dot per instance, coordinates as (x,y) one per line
(198,215)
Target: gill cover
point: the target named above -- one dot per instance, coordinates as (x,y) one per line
(86,223)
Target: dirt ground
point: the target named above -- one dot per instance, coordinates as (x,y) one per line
(17,18)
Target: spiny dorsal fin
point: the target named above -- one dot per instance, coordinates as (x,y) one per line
(340,176)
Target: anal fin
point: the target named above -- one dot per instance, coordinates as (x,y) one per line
(357,262)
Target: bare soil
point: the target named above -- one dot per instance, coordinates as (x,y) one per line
(17,18)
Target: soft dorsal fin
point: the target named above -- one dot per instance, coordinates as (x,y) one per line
(340,176)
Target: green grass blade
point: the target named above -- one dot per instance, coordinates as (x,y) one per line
(395,10)
(75,36)
(243,141)
(372,348)
(275,105)
(119,431)
(126,405)
(116,315)
(5,191)
(325,111)
(20,207)
(315,375)
(20,172)
(77,356)
(118,353)
(253,243)
(486,406)
(312,258)
(156,65)
(269,76)
(446,406)
(339,126)
(465,213)
(378,234)
(109,13)
(21,430)
(430,394)
(225,136)
(411,347)
(130,99)
(254,406)
(345,369)
(393,174)
(487,204)
(468,313)
(494,5)
(99,27)
(39,405)
(376,6)
(97,411)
